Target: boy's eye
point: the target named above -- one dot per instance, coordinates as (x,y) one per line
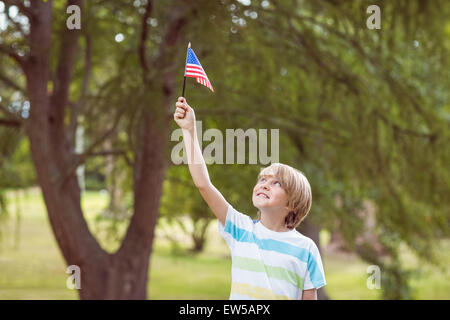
(277,183)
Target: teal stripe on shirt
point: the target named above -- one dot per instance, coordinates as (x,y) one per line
(302,254)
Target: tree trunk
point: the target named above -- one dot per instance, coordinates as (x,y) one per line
(337,242)
(122,275)
(310,230)
(52,156)
(199,234)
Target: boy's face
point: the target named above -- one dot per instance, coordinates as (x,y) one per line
(269,193)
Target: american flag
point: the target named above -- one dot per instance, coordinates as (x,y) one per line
(195,70)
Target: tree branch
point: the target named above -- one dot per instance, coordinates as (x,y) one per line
(87,68)
(16,24)
(397,128)
(77,106)
(14,55)
(59,98)
(21,5)
(81,158)
(11,83)
(297,126)
(10,114)
(10,122)
(143,39)
(105,153)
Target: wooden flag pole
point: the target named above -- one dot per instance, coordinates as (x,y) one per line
(184,82)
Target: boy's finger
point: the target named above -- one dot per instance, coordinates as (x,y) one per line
(182,99)
(181,105)
(181,113)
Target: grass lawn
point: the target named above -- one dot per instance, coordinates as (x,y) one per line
(31,266)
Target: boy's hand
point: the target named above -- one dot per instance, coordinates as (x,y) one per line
(184,115)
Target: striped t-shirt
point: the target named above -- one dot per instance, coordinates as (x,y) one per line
(267,264)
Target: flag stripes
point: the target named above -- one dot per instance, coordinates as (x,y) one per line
(195,70)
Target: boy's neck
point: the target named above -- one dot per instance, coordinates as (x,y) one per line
(272,221)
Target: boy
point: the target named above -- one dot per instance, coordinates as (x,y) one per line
(270,259)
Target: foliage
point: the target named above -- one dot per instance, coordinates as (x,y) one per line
(180,200)
(363,113)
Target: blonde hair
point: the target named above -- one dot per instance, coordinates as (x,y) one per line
(297,189)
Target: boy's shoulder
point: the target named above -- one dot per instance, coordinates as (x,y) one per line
(293,237)
(297,239)
(301,238)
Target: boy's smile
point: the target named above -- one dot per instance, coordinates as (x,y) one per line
(263,195)
(268,193)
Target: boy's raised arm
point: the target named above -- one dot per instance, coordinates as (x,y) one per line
(185,117)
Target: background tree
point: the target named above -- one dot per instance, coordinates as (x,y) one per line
(182,205)
(363,113)
(47,56)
